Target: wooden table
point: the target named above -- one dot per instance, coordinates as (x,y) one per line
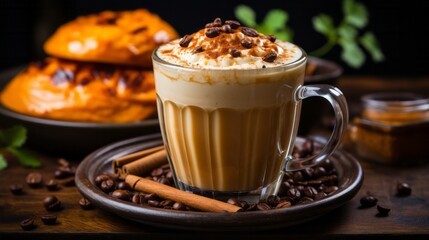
(409,217)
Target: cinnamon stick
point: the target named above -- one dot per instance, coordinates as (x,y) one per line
(189,199)
(146,164)
(118,163)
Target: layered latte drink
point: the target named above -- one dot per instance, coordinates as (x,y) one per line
(228,106)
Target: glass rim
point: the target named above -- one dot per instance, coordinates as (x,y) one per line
(297,62)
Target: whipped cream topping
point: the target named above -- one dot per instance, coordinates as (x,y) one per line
(229,46)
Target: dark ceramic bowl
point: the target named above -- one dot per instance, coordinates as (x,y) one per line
(315,109)
(73,139)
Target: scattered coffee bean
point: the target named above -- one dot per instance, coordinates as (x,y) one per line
(382,211)
(108,185)
(52,185)
(368,201)
(63,162)
(49,219)
(58,174)
(403,189)
(246,43)
(212,32)
(270,57)
(85,204)
(34,179)
(272,38)
(121,194)
(101,178)
(234,52)
(123,186)
(52,203)
(28,224)
(16,189)
(249,32)
(234,24)
(310,192)
(179,206)
(185,41)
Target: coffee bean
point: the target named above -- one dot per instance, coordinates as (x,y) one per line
(273,200)
(368,201)
(297,176)
(310,192)
(233,24)
(284,204)
(196,50)
(300,188)
(283,188)
(179,206)
(305,200)
(294,194)
(263,206)
(327,164)
(234,52)
(123,186)
(59,174)
(16,189)
(34,179)
(164,180)
(320,195)
(63,162)
(27,224)
(227,29)
(169,175)
(216,23)
(234,201)
(121,194)
(108,185)
(319,172)
(85,204)
(244,205)
(403,189)
(314,183)
(151,196)
(331,189)
(246,43)
(212,32)
(166,203)
(307,148)
(157,172)
(49,219)
(272,38)
(270,57)
(307,173)
(139,198)
(382,211)
(153,203)
(52,185)
(249,32)
(185,41)
(52,203)
(101,178)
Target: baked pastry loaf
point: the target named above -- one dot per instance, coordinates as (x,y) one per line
(73,91)
(127,37)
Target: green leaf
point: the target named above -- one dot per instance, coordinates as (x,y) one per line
(370,43)
(14,136)
(274,20)
(355,13)
(324,24)
(351,53)
(347,32)
(246,15)
(25,157)
(284,34)
(3,162)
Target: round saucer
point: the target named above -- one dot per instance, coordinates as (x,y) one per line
(350,178)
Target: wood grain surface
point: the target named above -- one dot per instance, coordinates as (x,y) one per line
(408,219)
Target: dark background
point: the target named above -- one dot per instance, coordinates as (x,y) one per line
(402,27)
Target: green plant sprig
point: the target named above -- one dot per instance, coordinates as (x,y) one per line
(12,139)
(346,34)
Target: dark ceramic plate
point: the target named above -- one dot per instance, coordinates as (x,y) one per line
(64,138)
(350,180)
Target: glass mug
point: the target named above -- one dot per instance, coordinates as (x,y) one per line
(228,138)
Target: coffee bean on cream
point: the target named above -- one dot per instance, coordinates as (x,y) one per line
(217,39)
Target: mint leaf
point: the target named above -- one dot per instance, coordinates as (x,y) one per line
(284,34)
(355,13)
(351,53)
(324,24)
(246,15)
(14,136)
(370,43)
(347,32)
(275,20)
(3,162)
(25,157)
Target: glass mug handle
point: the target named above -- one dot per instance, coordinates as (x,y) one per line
(338,102)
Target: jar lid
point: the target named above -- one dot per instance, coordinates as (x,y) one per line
(401,102)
